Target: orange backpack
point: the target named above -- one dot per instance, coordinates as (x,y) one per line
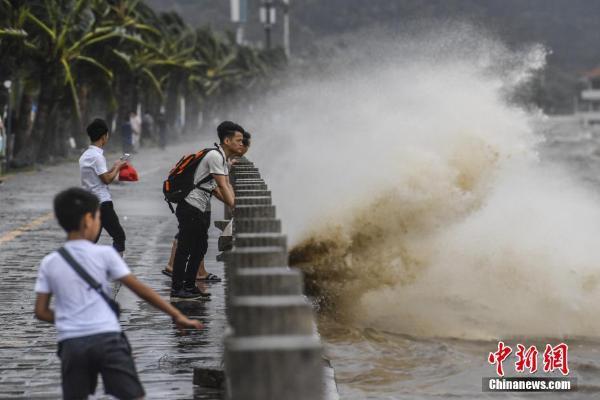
(180,181)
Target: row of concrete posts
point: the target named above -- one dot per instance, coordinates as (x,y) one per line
(272,349)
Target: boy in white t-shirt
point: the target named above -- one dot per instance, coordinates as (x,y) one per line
(90,340)
(95,177)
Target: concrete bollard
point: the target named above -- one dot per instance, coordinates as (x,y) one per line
(246,175)
(273,351)
(271,315)
(253,201)
(247,257)
(239,182)
(274,368)
(243,168)
(257,225)
(249,186)
(262,211)
(242,181)
(243,185)
(241,163)
(267,281)
(260,239)
(252,193)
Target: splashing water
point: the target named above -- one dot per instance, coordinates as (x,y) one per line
(413,192)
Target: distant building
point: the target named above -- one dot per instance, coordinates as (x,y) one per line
(588,107)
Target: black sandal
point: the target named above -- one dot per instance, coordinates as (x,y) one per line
(209,278)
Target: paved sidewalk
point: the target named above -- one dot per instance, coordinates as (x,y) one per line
(29,367)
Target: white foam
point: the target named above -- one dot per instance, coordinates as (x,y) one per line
(447,223)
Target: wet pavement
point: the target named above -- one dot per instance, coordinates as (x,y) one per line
(29,367)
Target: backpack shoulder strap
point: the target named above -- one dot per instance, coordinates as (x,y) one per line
(209,177)
(221,154)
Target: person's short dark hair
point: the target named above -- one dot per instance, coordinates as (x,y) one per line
(71,205)
(227,129)
(246,139)
(96,129)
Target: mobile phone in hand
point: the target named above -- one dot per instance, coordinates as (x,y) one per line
(125,157)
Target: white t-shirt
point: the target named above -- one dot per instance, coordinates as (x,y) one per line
(214,164)
(78,309)
(92,164)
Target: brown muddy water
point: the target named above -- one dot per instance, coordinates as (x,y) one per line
(381,349)
(372,364)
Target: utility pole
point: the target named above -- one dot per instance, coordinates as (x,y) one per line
(267,17)
(286,26)
(239,34)
(9,134)
(239,12)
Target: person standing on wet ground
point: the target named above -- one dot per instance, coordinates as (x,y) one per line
(147,129)
(193,213)
(136,130)
(89,335)
(95,177)
(203,275)
(161,126)
(126,136)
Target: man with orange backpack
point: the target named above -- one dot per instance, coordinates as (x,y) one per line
(191,185)
(203,275)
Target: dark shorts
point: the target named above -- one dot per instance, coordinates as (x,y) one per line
(107,354)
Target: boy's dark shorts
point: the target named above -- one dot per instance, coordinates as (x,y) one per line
(107,354)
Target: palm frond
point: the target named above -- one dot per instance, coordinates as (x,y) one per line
(13,33)
(153,80)
(45,28)
(97,64)
(71,83)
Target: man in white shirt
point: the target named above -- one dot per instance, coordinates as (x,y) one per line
(203,275)
(90,340)
(136,129)
(95,177)
(193,214)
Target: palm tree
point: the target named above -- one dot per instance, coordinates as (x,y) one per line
(130,56)
(229,72)
(57,38)
(109,55)
(15,66)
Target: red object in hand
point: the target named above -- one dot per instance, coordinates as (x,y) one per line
(128,173)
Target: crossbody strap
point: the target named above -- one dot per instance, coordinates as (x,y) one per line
(86,277)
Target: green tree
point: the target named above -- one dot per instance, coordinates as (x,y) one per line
(77,57)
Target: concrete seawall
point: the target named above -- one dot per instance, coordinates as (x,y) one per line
(272,349)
